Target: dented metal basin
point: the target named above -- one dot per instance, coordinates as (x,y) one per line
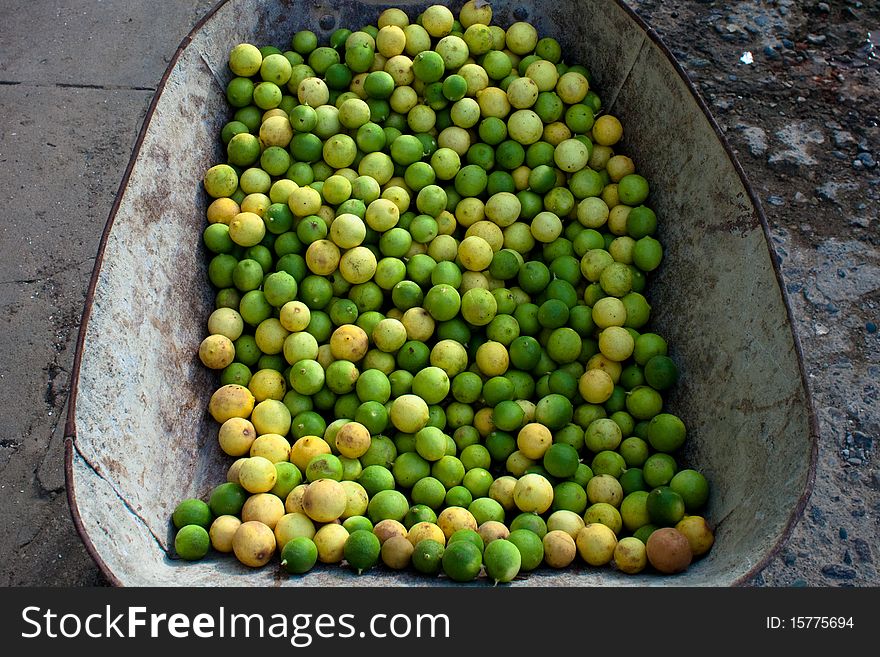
(139,438)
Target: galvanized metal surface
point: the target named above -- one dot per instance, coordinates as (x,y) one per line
(140,438)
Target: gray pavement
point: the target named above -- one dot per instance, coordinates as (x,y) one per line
(76,77)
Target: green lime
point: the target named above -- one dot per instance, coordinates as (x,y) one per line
(647,254)
(634,510)
(387,504)
(643,532)
(376,477)
(571,434)
(475,456)
(304,42)
(471,180)
(693,488)
(634,451)
(430,443)
(359,52)
(510,154)
(243,149)
(192,512)
(428,66)
(406,149)
(632,480)
(485,509)
(661,372)
(500,445)
(666,432)
(240,92)
(462,561)
(459,415)
(608,462)
(570,496)
(339,37)
(561,460)
(442,302)
(505,265)
(378,84)
(299,555)
(419,514)
(648,345)
(503,560)
(583,475)
(665,506)
(525,352)
(419,269)
(640,222)
(361,550)
(534,276)
(413,356)
(354,523)
(644,402)
(530,546)
(477,480)
(217,240)
(427,557)
(497,389)
(531,522)
(303,118)
(553,313)
(466,534)
(431,384)
(563,383)
(554,411)
(459,496)
(410,467)
(632,189)
(542,178)
(192,542)
(638,309)
(508,416)
(279,287)
(580,118)
(307,423)
(237,373)
(227,499)
(429,491)
(288,477)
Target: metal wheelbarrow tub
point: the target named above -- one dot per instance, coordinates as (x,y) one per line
(139,438)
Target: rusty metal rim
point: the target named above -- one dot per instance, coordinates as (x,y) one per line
(653,35)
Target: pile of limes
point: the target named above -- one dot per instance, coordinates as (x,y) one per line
(431,332)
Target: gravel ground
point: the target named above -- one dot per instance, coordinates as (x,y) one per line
(795,86)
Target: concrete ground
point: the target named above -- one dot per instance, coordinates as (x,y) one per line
(76,77)
(75,81)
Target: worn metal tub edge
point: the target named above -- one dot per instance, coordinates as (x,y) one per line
(76,459)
